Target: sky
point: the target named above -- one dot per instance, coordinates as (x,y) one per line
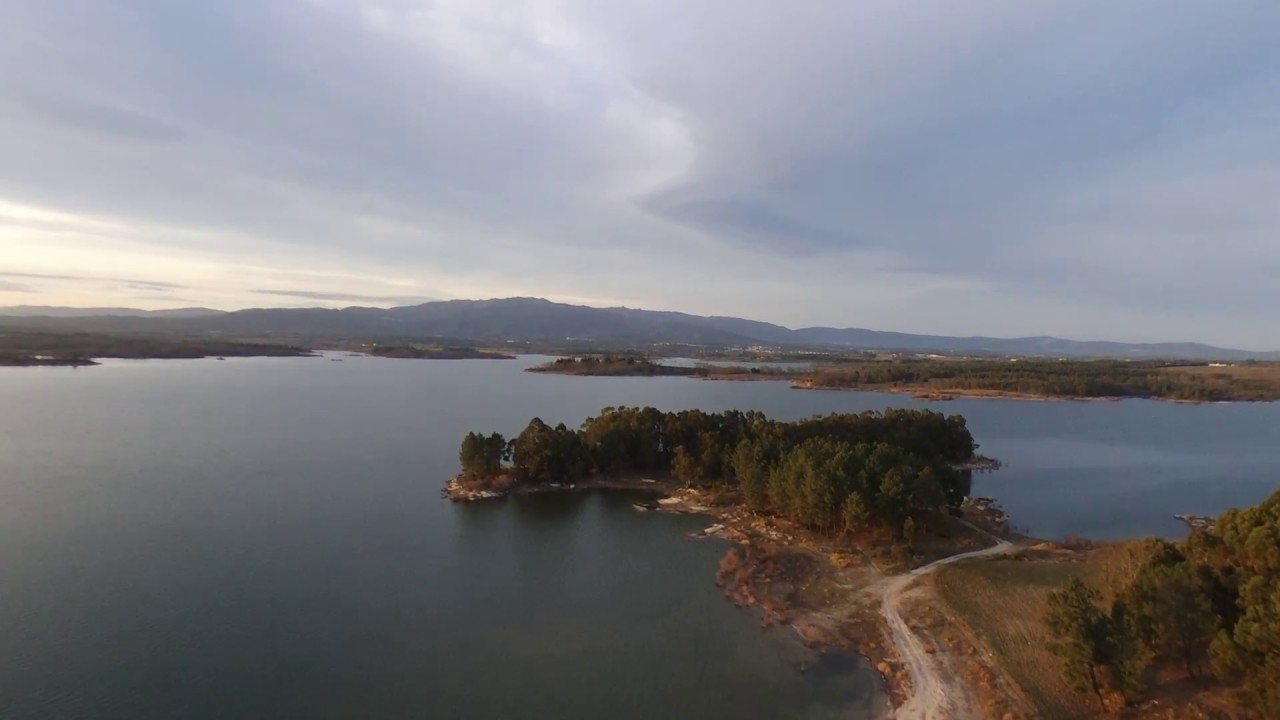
(1086,169)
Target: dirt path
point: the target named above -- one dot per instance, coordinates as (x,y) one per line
(929,698)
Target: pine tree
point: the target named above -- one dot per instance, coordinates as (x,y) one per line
(1082,631)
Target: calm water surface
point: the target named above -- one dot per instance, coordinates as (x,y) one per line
(264,538)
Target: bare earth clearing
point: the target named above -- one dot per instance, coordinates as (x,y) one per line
(932,695)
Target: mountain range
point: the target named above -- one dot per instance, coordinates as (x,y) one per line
(75,312)
(538,320)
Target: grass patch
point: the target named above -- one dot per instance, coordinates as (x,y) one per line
(1269,372)
(1004,601)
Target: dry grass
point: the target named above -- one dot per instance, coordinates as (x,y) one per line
(1251,371)
(1004,601)
(1112,565)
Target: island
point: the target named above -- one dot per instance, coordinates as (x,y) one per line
(858,530)
(625,365)
(617,366)
(431,352)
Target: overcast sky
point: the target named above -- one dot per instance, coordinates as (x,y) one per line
(1078,168)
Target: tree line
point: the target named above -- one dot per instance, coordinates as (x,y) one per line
(1052,378)
(76,348)
(1208,607)
(897,468)
(616,364)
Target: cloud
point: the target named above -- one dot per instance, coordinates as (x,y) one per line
(169,301)
(13,287)
(131,283)
(347,297)
(113,123)
(751,221)
(153,285)
(1074,167)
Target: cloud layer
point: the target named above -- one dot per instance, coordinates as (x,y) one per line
(1079,168)
(337,297)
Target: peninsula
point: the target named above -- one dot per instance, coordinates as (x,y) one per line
(814,506)
(858,531)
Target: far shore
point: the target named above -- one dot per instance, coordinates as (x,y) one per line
(800,381)
(942,395)
(1008,379)
(956,394)
(46,362)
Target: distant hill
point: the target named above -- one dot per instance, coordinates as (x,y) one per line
(538,320)
(72,312)
(1039,346)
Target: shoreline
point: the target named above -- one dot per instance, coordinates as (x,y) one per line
(946,395)
(51,362)
(835,597)
(917,392)
(796,382)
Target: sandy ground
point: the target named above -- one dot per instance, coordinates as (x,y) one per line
(934,694)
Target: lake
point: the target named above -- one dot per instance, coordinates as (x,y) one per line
(265,538)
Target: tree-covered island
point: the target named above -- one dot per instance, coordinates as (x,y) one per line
(435,352)
(616,365)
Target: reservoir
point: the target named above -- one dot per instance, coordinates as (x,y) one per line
(265,538)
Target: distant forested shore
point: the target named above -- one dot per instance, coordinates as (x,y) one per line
(21,348)
(933,377)
(942,378)
(1085,379)
(79,349)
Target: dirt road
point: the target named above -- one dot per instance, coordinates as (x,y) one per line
(929,698)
